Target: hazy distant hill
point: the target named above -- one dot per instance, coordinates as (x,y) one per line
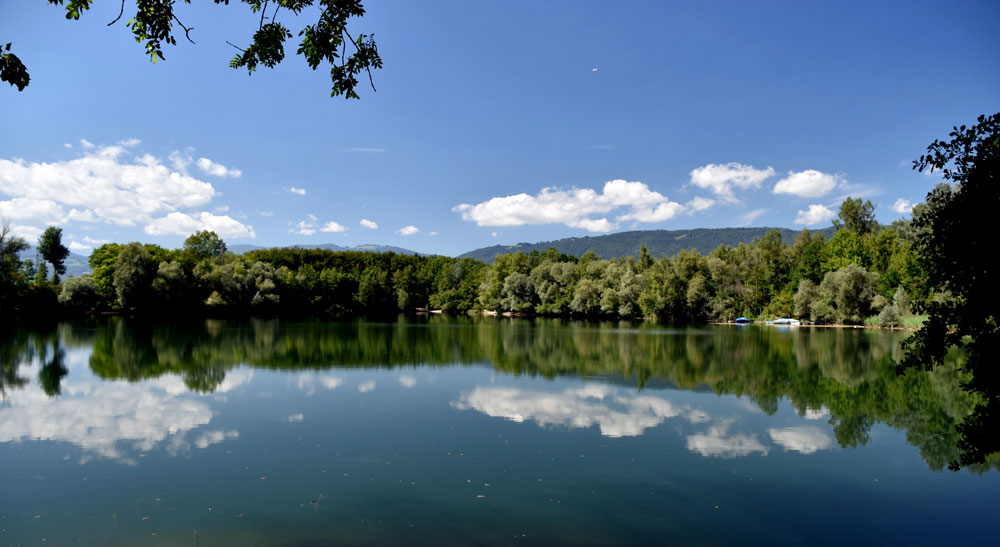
(659,242)
(368,248)
(76,265)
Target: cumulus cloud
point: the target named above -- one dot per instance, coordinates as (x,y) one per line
(723,178)
(616,414)
(575,207)
(806,439)
(718,443)
(106,184)
(77,246)
(699,204)
(333,227)
(808,184)
(902,206)
(408,230)
(815,215)
(370,224)
(306,227)
(178,223)
(299,191)
(217,169)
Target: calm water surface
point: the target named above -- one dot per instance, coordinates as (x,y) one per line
(451,431)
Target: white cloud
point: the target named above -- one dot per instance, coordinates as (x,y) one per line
(266,213)
(432,233)
(67,145)
(333,227)
(902,206)
(366,386)
(93,241)
(368,224)
(717,442)
(699,204)
(86,144)
(808,184)
(815,215)
(408,230)
(306,227)
(806,439)
(295,418)
(103,185)
(77,246)
(747,218)
(217,169)
(39,210)
(407,381)
(617,414)
(574,207)
(177,223)
(722,178)
(222,209)
(299,191)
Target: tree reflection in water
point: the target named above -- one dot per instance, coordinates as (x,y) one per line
(850,373)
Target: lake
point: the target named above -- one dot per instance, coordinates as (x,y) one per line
(478,431)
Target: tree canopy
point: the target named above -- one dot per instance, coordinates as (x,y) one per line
(956,250)
(325,41)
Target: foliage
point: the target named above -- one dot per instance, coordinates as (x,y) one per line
(79,294)
(12,70)
(957,253)
(204,244)
(856,216)
(324,41)
(52,250)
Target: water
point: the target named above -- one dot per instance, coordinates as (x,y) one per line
(454,431)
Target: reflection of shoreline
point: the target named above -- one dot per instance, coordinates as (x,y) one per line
(815,326)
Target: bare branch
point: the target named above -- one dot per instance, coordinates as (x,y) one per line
(236,46)
(187,31)
(120,12)
(262,12)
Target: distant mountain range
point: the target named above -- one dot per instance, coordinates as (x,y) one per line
(367,248)
(658,242)
(76,265)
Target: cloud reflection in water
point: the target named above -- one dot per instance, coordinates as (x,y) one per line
(616,415)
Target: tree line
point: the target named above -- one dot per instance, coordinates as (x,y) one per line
(864,272)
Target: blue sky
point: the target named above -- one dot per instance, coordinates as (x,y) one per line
(494,122)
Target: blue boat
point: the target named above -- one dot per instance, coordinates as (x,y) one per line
(742,320)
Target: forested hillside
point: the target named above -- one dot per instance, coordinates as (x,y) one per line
(658,243)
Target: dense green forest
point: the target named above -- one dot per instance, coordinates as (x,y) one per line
(863,272)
